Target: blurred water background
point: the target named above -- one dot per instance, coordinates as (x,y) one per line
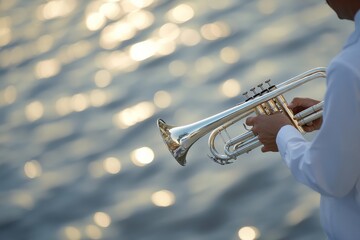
(82,84)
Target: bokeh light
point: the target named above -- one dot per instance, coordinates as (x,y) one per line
(231,88)
(55,9)
(110,10)
(163,198)
(140,20)
(32,169)
(79,102)
(72,233)
(102,78)
(248,233)
(5,31)
(143,50)
(102,219)
(189,37)
(34,111)
(178,68)
(47,68)
(9,94)
(142,3)
(229,55)
(215,30)
(162,99)
(169,31)
(112,165)
(45,43)
(181,13)
(135,114)
(93,232)
(142,156)
(115,33)
(63,106)
(95,21)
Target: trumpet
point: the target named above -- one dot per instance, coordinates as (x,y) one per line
(268,101)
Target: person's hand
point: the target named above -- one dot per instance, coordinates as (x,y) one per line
(299,104)
(266,127)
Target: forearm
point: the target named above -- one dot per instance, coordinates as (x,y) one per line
(294,150)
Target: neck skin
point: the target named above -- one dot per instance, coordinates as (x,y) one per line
(353,12)
(345,9)
(349,12)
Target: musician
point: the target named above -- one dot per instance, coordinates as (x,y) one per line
(330,164)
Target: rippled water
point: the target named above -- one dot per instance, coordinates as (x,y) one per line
(82,84)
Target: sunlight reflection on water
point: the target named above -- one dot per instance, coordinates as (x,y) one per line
(82,85)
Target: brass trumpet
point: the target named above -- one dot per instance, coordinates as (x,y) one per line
(268,101)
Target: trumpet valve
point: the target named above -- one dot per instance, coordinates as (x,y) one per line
(253,90)
(271,86)
(268,82)
(246,96)
(261,87)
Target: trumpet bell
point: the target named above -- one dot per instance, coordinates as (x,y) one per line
(174,141)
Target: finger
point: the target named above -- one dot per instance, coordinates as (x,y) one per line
(291,105)
(264,149)
(308,128)
(250,121)
(309,124)
(254,131)
(295,103)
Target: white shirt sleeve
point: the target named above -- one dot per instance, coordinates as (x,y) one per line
(331,163)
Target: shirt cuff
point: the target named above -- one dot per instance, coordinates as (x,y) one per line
(285,134)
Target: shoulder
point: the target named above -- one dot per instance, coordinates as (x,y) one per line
(349,58)
(343,75)
(345,64)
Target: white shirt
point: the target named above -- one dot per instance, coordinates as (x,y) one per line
(330,164)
